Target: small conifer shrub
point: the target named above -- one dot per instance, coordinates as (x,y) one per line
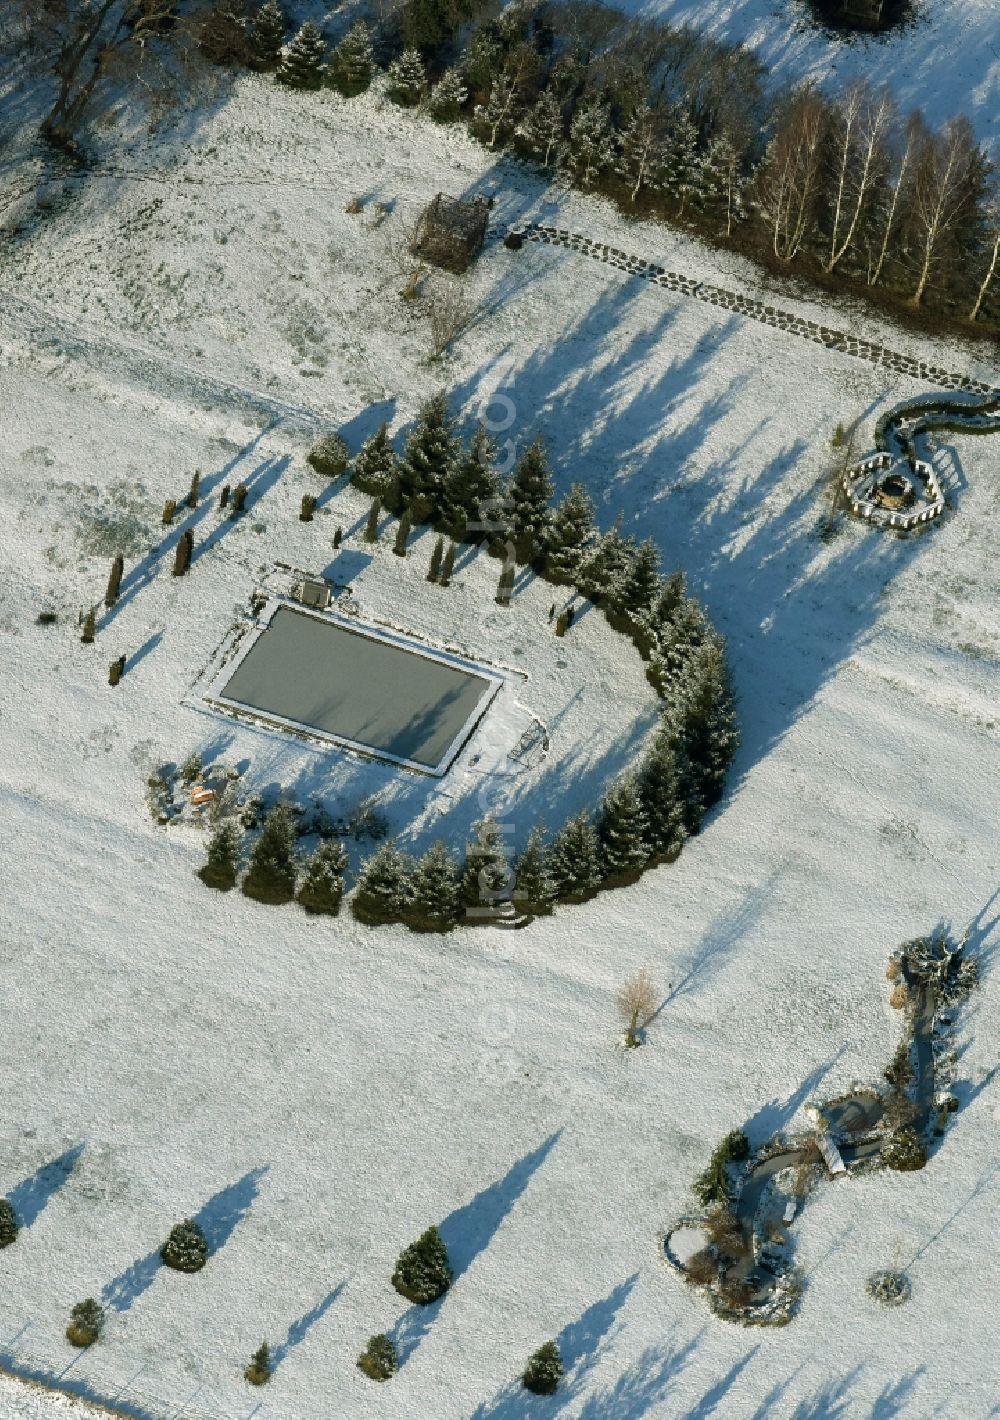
(89,627)
(260,1368)
(329,456)
(86,1321)
(379,1359)
(169,511)
(905,1151)
(270,877)
(186,1249)
(308,508)
(222,858)
(323,881)
(8,1223)
(544,1371)
(371,526)
(423,1272)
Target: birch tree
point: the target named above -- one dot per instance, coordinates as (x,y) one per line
(640,152)
(993,257)
(859,129)
(903,172)
(789,180)
(947,173)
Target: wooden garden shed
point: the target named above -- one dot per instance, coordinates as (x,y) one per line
(451,231)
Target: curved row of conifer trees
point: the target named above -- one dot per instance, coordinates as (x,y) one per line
(645,815)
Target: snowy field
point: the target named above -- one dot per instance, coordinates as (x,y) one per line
(322,1092)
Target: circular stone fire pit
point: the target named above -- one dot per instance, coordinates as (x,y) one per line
(894,491)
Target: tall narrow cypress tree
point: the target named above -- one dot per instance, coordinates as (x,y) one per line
(371,526)
(434,570)
(114,580)
(402,534)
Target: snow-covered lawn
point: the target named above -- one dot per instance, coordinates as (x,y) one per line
(325,1092)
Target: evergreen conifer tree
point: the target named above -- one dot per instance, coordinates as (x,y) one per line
(186,1249)
(639,152)
(407,78)
(534,887)
(86,1322)
(8,1223)
(544,1371)
(569,535)
(641,583)
(623,829)
(660,787)
(379,1360)
(434,570)
(434,889)
(431,450)
(353,61)
(376,467)
(260,1368)
(268,35)
(371,526)
(680,159)
(329,456)
(470,489)
(384,885)
(89,627)
(222,858)
(591,149)
(530,493)
(719,184)
(605,570)
(270,876)
(194,490)
(707,731)
(487,878)
(541,129)
(678,644)
(322,884)
(423,1272)
(575,859)
(302,64)
(448,97)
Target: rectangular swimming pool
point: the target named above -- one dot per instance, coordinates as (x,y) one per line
(377,692)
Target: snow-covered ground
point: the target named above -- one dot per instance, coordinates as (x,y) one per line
(946,62)
(324,1092)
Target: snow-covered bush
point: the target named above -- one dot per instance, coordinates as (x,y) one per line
(322,884)
(186,1249)
(905,1151)
(86,1321)
(379,1360)
(270,876)
(329,456)
(544,1370)
(714,1184)
(8,1223)
(222,858)
(423,1272)
(890,1288)
(260,1368)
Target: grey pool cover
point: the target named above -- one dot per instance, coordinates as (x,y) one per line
(355,687)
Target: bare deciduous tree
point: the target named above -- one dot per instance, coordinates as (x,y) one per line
(992,247)
(859,130)
(903,172)
(637,1004)
(789,180)
(450,313)
(948,172)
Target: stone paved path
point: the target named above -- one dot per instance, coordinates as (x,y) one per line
(755,310)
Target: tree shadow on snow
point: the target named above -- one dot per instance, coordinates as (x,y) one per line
(581,1344)
(217,1219)
(466,1233)
(299,1330)
(30,1197)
